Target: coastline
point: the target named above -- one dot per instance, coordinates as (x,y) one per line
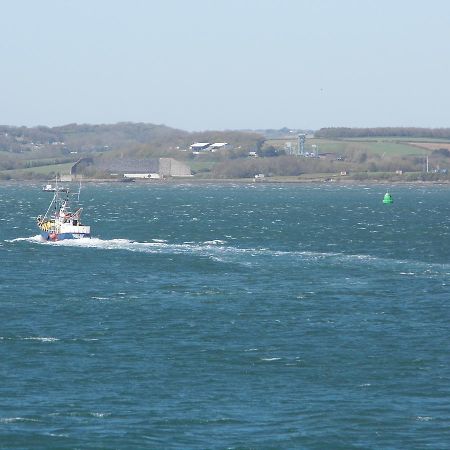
(268,180)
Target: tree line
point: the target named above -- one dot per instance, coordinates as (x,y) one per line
(401,132)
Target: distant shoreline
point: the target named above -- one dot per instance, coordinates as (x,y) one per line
(268,180)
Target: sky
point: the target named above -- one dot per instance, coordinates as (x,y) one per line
(226,64)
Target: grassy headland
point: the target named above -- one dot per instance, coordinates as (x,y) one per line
(378,154)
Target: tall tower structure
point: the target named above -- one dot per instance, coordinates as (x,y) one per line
(301,145)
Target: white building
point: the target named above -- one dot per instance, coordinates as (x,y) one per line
(219,146)
(142,175)
(200,146)
(208,147)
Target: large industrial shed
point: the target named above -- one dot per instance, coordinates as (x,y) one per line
(135,168)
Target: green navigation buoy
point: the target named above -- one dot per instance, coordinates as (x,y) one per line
(387,200)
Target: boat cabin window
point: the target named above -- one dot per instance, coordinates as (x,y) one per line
(75,222)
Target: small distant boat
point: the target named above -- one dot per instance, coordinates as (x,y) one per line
(51,188)
(59,222)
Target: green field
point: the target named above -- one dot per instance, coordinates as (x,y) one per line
(380,146)
(201,166)
(39,170)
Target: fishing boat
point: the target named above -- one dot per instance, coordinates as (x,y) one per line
(60,222)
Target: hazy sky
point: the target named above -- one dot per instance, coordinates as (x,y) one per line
(226,64)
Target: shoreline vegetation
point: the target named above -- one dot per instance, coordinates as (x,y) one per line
(330,155)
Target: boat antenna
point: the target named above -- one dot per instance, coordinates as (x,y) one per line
(51,203)
(79,190)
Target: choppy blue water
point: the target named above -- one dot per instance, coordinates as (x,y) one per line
(228,316)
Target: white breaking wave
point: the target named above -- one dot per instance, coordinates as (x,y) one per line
(99,414)
(41,339)
(17,419)
(31,338)
(214,242)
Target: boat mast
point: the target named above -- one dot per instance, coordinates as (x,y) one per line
(51,203)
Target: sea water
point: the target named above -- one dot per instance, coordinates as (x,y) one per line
(238,316)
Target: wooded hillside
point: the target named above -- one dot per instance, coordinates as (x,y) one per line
(29,148)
